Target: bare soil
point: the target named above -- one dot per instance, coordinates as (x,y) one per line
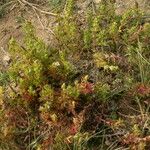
(10,26)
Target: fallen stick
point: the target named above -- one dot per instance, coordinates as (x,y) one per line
(35,8)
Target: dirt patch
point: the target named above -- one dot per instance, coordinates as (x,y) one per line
(10,26)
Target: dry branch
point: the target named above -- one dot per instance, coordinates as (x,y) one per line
(24,2)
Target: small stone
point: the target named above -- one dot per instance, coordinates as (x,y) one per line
(6,58)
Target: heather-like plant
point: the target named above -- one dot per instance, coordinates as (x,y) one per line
(69,96)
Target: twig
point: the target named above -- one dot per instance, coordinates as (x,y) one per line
(38,9)
(43,27)
(131,107)
(39,18)
(51,31)
(21,2)
(6,4)
(13,7)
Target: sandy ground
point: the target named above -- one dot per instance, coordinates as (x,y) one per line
(10,26)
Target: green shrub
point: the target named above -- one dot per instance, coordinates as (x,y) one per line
(76,87)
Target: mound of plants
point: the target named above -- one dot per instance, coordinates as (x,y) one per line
(89,90)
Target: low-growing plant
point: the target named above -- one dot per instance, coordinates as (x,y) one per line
(76,94)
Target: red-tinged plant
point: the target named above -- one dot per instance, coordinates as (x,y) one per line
(143,90)
(86,88)
(73,129)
